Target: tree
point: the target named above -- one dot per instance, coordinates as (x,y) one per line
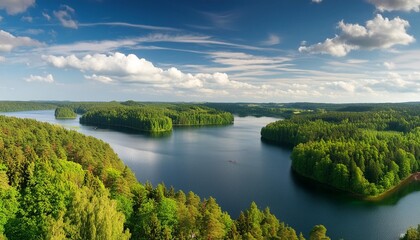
(318,232)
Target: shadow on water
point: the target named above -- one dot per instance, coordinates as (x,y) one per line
(189,127)
(327,192)
(134,131)
(275,144)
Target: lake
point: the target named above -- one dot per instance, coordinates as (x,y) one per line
(233,165)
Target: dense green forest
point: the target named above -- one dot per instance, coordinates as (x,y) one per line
(365,153)
(155,118)
(59,184)
(15,106)
(64,113)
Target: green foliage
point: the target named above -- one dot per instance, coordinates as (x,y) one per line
(154,118)
(59,184)
(412,234)
(15,106)
(318,233)
(64,113)
(8,199)
(362,152)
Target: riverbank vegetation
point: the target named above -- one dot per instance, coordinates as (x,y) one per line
(366,153)
(59,184)
(64,113)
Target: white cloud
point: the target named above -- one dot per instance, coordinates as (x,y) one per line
(2,59)
(272,40)
(13,7)
(389,65)
(28,19)
(129,69)
(379,33)
(33,31)
(65,16)
(102,79)
(8,42)
(46,16)
(317,1)
(131,25)
(34,78)
(396,5)
(395,82)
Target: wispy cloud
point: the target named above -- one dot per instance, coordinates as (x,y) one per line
(105,46)
(28,19)
(272,39)
(46,16)
(221,20)
(65,16)
(131,25)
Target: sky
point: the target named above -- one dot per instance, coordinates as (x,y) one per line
(210,50)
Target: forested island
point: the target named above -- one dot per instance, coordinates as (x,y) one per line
(64,113)
(155,118)
(59,184)
(365,153)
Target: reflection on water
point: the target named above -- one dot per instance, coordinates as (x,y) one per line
(232,164)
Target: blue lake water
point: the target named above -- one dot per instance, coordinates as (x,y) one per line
(233,165)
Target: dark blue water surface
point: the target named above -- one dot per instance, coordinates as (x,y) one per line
(233,165)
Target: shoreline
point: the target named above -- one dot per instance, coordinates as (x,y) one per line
(412,178)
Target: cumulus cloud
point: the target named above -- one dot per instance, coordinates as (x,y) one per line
(13,7)
(379,33)
(65,16)
(8,42)
(317,1)
(129,69)
(396,5)
(46,79)
(272,40)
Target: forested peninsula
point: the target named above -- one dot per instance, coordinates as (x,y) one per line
(365,153)
(59,184)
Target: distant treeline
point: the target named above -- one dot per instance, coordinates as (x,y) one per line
(59,184)
(286,110)
(362,152)
(15,106)
(155,118)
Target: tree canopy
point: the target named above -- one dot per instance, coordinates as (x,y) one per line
(59,184)
(362,152)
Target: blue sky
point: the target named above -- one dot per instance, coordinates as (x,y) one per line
(210,50)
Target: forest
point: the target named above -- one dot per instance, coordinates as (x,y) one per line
(365,153)
(64,113)
(59,184)
(155,118)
